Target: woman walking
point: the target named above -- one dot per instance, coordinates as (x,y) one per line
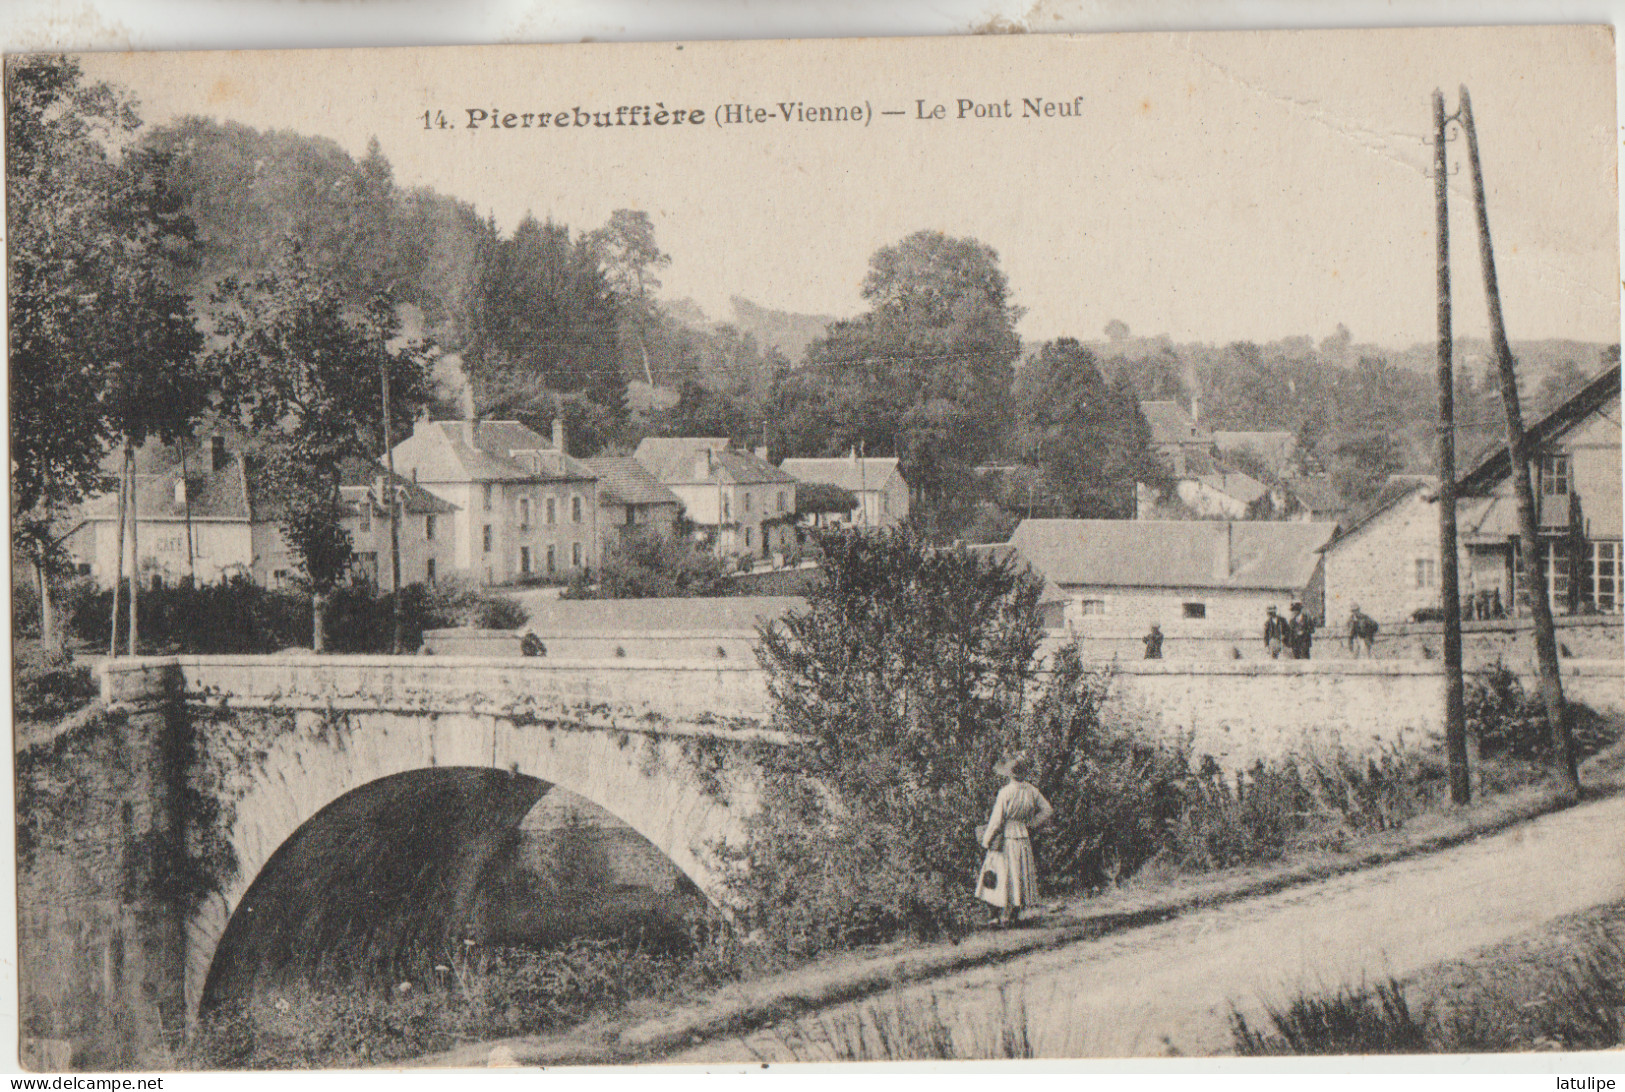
(1009,874)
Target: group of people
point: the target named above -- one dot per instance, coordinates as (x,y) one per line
(1295,635)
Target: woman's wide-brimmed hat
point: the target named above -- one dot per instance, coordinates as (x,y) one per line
(1017,765)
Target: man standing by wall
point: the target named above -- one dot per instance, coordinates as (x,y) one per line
(1301,628)
(1277,635)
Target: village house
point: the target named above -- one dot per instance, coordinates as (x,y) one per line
(1387,560)
(214,516)
(1178,438)
(1204,573)
(631,501)
(739,502)
(877,484)
(525,508)
(1276,451)
(1225,494)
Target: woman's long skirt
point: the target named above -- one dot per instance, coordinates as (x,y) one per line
(1009,877)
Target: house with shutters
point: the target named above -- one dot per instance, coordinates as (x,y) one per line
(525,508)
(210,513)
(739,502)
(1387,559)
(877,485)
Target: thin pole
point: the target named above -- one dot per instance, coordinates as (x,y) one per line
(186,497)
(135,549)
(1455,721)
(1551,681)
(118,556)
(394,523)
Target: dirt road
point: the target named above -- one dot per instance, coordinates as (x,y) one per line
(1168,988)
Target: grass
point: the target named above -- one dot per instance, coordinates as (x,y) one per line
(1560,988)
(900,1029)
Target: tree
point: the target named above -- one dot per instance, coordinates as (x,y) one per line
(102,348)
(925,374)
(1088,439)
(657,566)
(301,371)
(626,248)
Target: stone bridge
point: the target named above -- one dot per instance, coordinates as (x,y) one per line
(153,827)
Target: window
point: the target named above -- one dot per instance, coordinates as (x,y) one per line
(487,538)
(364,515)
(552,511)
(428,570)
(1600,577)
(1427,572)
(885,504)
(524,560)
(1195,610)
(747,501)
(524,513)
(488,493)
(1554,475)
(747,538)
(552,558)
(1093,606)
(782,505)
(727,508)
(575,509)
(428,528)
(575,554)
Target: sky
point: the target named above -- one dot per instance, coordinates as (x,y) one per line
(1211,187)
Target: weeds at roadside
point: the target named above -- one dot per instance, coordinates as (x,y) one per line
(901,1029)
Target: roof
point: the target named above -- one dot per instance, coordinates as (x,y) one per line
(1170,424)
(1394,490)
(1317,494)
(815,497)
(1262,442)
(623,480)
(1004,552)
(673,460)
(1233,483)
(1496,466)
(853,474)
(565,617)
(415,500)
(214,494)
(1173,553)
(501,451)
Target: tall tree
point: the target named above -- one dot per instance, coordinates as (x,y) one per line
(102,348)
(300,368)
(928,367)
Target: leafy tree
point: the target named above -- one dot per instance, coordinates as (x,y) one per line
(924,374)
(302,371)
(102,348)
(656,566)
(1088,438)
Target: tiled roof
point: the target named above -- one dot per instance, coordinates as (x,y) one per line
(1173,553)
(675,460)
(624,480)
(1170,424)
(415,500)
(440,452)
(1233,483)
(852,474)
(214,494)
(1003,551)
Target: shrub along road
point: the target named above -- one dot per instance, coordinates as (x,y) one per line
(1168,987)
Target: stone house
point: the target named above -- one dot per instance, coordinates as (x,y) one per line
(877,484)
(525,507)
(631,501)
(1387,559)
(741,503)
(1190,575)
(1276,449)
(213,516)
(1178,437)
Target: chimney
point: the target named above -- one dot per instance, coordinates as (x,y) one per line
(761,452)
(180,492)
(1222,546)
(1196,411)
(852,453)
(468,431)
(217,453)
(702,465)
(558,435)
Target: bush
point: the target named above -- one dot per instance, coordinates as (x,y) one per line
(49,685)
(905,677)
(649,565)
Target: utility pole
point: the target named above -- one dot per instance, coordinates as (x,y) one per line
(1551,681)
(118,556)
(1455,721)
(135,545)
(394,522)
(186,499)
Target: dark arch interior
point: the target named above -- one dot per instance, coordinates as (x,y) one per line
(399,872)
